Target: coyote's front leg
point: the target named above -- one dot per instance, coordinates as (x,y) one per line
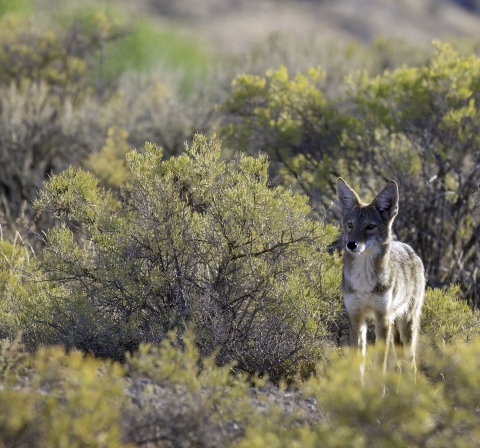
(383,336)
(358,338)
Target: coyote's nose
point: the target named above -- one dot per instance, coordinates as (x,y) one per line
(352,245)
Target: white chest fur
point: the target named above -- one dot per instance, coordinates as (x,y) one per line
(371,288)
(366,304)
(362,273)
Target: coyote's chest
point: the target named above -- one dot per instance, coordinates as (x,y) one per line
(367,286)
(364,274)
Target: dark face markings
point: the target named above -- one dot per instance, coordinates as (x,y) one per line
(365,223)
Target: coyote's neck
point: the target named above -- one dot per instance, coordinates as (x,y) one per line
(368,271)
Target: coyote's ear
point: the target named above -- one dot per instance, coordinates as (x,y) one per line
(346,197)
(386,201)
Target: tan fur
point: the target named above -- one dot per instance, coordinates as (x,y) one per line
(382,279)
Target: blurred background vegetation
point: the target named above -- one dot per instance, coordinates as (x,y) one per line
(222,228)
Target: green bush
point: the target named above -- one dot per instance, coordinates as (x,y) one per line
(14,260)
(166,396)
(210,396)
(55,399)
(417,125)
(338,57)
(193,239)
(69,65)
(25,306)
(170,396)
(49,117)
(392,409)
(63,57)
(446,318)
(155,108)
(61,97)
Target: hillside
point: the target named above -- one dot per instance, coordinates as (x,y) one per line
(232,26)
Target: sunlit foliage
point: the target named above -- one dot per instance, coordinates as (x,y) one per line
(417,125)
(193,239)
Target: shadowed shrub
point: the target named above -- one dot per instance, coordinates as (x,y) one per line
(417,125)
(192,239)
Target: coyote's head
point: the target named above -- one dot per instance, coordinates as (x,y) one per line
(367,227)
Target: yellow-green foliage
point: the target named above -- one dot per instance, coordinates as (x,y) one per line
(284,113)
(49,113)
(182,364)
(449,79)
(194,239)
(61,100)
(72,400)
(275,111)
(109,164)
(447,318)
(24,305)
(14,259)
(418,125)
(54,399)
(435,408)
(75,195)
(220,392)
(31,51)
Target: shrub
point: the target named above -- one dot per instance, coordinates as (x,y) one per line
(61,100)
(29,134)
(109,164)
(446,318)
(199,400)
(171,397)
(392,409)
(338,57)
(55,399)
(417,125)
(63,57)
(46,100)
(61,92)
(430,122)
(13,259)
(193,239)
(155,108)
(25,307)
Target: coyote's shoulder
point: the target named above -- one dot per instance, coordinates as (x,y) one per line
(382,278)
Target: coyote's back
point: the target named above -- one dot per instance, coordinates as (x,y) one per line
(382,279)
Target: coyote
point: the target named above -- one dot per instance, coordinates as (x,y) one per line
(382,279)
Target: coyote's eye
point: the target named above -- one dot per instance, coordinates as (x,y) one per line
(350,225)
(371,226)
